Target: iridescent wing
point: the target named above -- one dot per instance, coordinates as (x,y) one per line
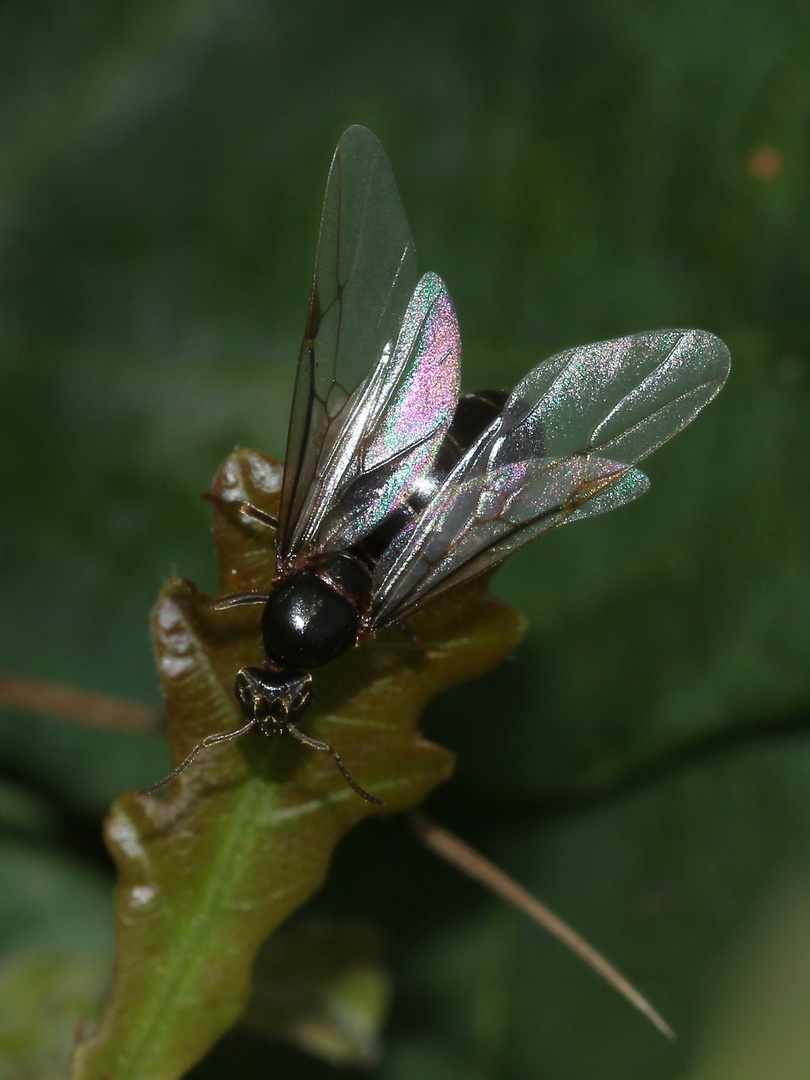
(365,274)
(564,448)
(394,425)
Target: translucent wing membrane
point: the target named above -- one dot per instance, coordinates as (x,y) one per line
(396,425)
(375,392)
(626,396)
(365,273)
(564,448)
(394,488)
(392,426)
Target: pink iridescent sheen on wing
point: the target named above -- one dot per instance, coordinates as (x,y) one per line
(403,414)
(428,354)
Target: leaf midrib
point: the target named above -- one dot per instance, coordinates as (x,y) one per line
(232,841)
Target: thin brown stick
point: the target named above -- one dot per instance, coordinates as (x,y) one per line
(84,706)
(464,858)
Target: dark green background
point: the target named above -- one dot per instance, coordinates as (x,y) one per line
(574,171)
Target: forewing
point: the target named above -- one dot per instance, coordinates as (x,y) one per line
(564,448)
(395,423)
(625,397)
(365,273)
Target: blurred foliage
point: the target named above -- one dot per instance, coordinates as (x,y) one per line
(322,985)
(759,1028)
(574,171)
(44,993)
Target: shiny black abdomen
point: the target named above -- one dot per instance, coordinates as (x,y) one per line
(473,415)
(307,622)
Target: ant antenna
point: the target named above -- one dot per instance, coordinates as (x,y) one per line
(210,740)
(316,744)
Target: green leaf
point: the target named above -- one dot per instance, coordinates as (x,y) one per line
(247,833)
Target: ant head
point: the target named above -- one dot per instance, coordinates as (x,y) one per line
(272,699)
(269,700)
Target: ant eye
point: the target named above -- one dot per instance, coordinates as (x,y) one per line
(243,691)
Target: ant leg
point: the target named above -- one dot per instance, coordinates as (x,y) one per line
(408,632)
(252,513)
(246,509)
(239,599)
(211,740)
(316,744)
